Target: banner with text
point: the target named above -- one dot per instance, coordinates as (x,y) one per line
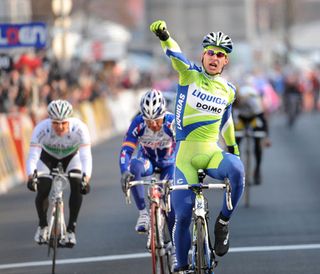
(23,35)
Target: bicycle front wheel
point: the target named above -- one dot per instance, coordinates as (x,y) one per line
(201,265)
(54,236)
(159,256)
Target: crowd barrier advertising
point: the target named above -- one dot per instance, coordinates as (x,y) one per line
(103,119)
(20,127)
(10,169)
(87,115)
(123,109)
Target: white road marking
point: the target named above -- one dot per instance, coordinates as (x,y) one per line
(146,254)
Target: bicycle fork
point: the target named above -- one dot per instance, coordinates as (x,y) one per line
(200,212)
(60,229)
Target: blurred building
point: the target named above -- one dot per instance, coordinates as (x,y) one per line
(15,11)
(263,30)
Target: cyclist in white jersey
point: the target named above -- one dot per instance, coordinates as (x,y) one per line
(59,138)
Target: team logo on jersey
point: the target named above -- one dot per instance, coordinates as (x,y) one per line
(206,107)
(179,109)
(207,102)
(180,181)
(209,98)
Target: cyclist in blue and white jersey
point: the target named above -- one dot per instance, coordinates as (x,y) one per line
(203,112)
(65,139)
(151,133)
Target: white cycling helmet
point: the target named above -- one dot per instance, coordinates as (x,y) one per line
(218,39)
(152,104)
(59,110)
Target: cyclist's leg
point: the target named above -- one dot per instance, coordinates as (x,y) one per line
(41,200)
(182,202)
(75,199)
(140,167)
(260,125)
(190,157)
(226,165)
(258,158)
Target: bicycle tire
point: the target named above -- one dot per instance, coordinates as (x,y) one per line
(54,237)
(159,261)
(201,265)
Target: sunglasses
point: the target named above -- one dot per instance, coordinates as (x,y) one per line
(219,54)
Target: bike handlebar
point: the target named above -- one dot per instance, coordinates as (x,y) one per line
(64,174)
(150,182)
(198,187)
(57,173)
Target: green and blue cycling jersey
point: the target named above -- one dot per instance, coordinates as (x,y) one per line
(202,112)
(203,104)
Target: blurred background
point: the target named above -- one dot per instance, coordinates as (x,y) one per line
(90,51)
(95,51)
(101,56)
(89,48)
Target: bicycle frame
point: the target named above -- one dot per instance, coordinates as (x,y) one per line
(202,254)
(56,225)
(59,183)
(160,250)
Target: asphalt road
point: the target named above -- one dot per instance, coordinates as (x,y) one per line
(278,234)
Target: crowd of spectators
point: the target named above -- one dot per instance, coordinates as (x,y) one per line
(33,80)
(275,83)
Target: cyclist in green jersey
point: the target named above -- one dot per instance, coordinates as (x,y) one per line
(203,113)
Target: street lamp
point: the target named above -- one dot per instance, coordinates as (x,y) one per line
(61,9)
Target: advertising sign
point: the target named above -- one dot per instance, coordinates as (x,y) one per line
(23,35)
